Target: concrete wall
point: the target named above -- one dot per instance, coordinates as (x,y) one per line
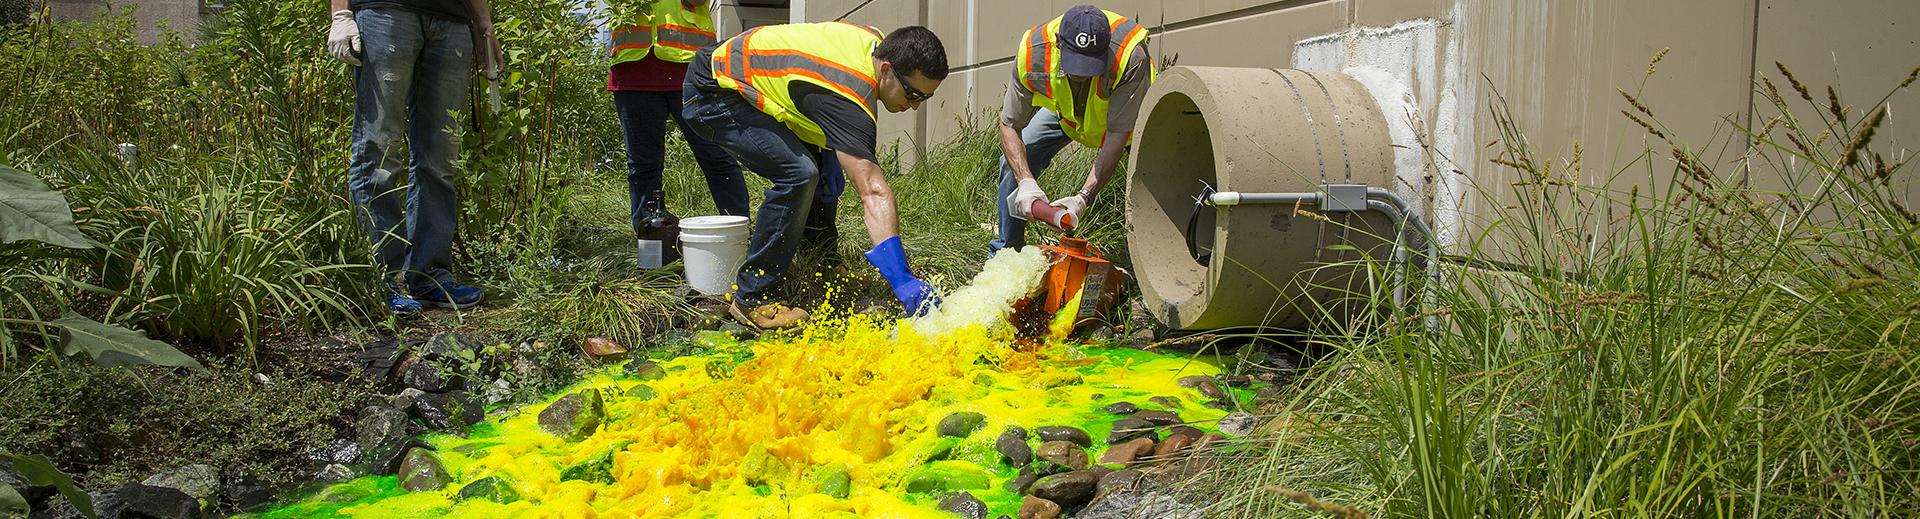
(155,17)
(1557,65)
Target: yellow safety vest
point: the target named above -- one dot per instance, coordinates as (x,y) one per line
(762,62)
(1038,70)
(670,30)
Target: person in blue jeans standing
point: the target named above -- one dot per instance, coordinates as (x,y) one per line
(413,58)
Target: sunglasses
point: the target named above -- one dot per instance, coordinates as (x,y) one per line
(913,94)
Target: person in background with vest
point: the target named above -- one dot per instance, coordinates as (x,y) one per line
(652,42)
(1078,78)
(775,96)
(412,60)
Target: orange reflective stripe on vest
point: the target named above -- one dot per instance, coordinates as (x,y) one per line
(762,63)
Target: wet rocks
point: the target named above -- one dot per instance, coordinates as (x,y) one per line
(380,434)
(1172,445)
(961,424)
(602,349)
(574,417)
(948,476)
(1064,453)
(1038,508)
(1069,490)
(642,392)
(134,500)
(644,370)
(1129,428)
(596,470)
(491,488)
(1128,452)
(964,505)
(1237,424)
(454,409)
(1159,418)
(1118,480)
(1164,401)
(1132,503)
(1013,448)
(832,480)
(200,481)
(1121,408)
(1205,385)
(422,472)
(1064,433)
(335,472)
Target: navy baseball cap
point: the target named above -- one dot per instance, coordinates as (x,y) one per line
(1084,34)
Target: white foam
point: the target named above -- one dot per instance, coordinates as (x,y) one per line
(986,301)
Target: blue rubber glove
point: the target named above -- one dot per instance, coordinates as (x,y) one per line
(914,294)
(833,180)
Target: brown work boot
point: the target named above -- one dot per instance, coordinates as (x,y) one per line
(770,316)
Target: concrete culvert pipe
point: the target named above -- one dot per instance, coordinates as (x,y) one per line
(1255,131)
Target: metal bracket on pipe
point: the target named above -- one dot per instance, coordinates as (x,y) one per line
(1357,198)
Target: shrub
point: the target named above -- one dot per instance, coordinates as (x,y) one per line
(109,426)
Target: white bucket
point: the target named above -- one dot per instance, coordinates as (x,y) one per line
(713,247)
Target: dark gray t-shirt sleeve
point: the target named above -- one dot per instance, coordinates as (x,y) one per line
(455,10)
(848,127)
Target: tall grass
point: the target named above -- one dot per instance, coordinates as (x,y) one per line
(232,224)
(1736,338)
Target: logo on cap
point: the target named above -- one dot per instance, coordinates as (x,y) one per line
(1083,40)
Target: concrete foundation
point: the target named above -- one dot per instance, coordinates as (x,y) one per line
(1254,130)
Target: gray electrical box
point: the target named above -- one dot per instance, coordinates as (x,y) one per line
(1343,197)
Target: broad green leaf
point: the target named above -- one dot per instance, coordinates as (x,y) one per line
(31,211)
(111,345)
(39,471)
(12,504)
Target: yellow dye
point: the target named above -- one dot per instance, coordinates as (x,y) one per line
(853,400)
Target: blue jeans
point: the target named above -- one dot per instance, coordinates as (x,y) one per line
(771,150)
(1044,140)
(412,78)
(643,118)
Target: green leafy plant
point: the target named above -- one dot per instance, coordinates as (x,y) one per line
(40,471)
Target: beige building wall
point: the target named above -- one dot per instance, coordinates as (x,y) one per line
(155,17)
(1556,63)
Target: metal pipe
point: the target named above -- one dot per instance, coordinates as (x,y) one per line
(1233,198)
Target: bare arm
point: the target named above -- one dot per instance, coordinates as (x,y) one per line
(876,197)
(1111,151)
(339,4)
(1015,149)
(482,14)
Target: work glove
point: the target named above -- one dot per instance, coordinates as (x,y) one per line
(833,180)
(343,40)
(1075,206)
(914,294)
(1020,202)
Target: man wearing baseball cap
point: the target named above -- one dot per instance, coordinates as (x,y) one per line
(1080,78)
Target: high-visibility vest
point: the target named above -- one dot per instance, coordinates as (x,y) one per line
(1037,69)
(762,62)
(670,30)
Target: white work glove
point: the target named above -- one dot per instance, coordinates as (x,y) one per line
(1075,205)
(343,41)
(1020,202)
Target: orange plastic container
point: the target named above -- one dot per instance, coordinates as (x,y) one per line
(1077,271)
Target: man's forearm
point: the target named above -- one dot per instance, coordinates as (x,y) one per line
(339,5)
(1015,150)
(482,14)
(1111,151)
(876,197)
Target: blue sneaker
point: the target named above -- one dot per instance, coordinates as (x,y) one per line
(402,305)
(452,295)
